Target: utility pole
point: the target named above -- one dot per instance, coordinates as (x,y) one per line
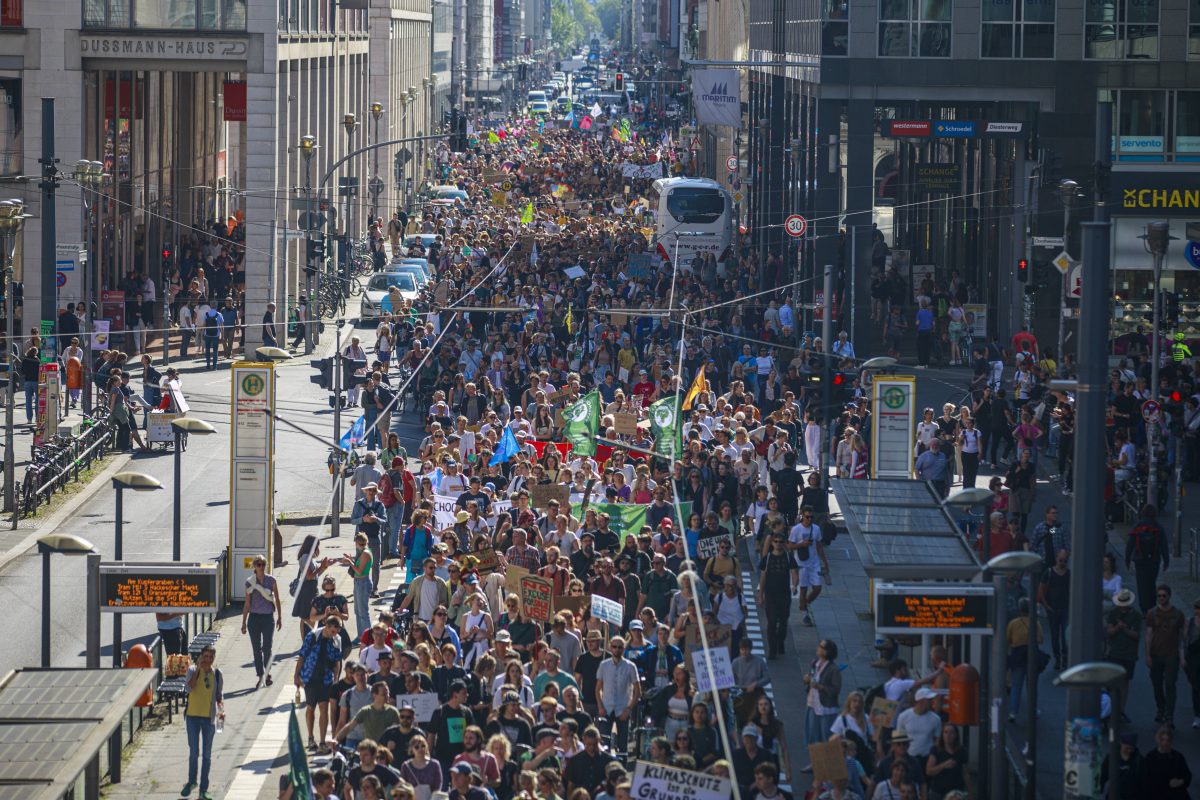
(1066,190)
(1156,238)
(308,146)
(1084,632)
(335,522)
(826,373)
(48,185)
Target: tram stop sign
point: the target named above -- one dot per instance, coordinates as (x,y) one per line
(795,225)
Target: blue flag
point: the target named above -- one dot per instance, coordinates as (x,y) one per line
(355,435)
(506,450)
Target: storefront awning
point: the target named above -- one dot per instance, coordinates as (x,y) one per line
(902,531)
(54,721)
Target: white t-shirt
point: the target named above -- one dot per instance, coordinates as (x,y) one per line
(845,722)
(452,485)
(895,688)
(922,729)
(809,536)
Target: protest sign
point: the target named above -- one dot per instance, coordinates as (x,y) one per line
(444,511)
(607,610)
(626,424)
(718,636)
(536,595)
(488,561)
(828,761)
(883,712)
(423,705)
(709,546)
(541,494)
(659,782)
(512,579)
(575,605)
(722,669)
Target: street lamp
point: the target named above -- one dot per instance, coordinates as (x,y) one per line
(308,148)
(138,482)
(68,545)
(1102,675)
(183,426)
(1000,569)
(1156,239)
(12,219)
(91,177)
(376,181)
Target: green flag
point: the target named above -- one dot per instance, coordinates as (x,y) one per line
(624,519)
(665,428)
(298,762)
(582,423)
(527,214)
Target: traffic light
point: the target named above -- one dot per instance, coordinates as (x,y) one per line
(1023,270)
(167,254)
(619,82)
(458,131)
(324,376)
(841,392)
(316,250)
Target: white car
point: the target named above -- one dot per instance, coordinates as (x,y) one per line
(375,296)
(539,107)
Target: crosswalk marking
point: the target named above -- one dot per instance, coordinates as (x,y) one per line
(754,632)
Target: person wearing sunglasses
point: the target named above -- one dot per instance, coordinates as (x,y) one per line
(779,578)
(205,706)
(805,542)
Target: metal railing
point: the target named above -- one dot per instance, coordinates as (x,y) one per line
(1194,553)
(45,477)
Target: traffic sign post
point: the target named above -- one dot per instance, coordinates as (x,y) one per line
(1151,411)
(1062,262)
(731,163)
(1075,281)
(795,225)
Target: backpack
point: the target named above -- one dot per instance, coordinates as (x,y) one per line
(386,494)
(865,752)
(212,324)
(1145,541)
(408,539)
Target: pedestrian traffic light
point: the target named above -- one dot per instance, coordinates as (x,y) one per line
(619,82)
(324,376)
(1170,308)
(316,250)
(841,392)
(167,253)
(1023,270)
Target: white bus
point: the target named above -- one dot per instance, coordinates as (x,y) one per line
(700,210)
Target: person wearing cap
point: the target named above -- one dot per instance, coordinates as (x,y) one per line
(461,786)
(747,758)
(920,723)
(1123,632)
(899,755)
(453,482)
(544,755)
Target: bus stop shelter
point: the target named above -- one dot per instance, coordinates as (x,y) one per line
(55,722)
(903,531)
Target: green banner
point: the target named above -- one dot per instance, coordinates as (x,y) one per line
(665,428)
(626,519)
(581,423)
(298,761)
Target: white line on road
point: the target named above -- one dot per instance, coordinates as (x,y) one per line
(252,775)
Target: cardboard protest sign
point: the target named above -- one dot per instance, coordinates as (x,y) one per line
(512,579)
(541,494)
(659,782)
(536,593)
(828,761)
(709,546)
(423,705)
(626,424)
(488,561)
(575,605)
(883,712)
(722,669)
(718,636)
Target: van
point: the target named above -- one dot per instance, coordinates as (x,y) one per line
(536,96)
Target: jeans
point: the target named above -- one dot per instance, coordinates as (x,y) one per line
(211,354)
(1146,572)
(370,416)
(262,635)
(200,731)
(30,388)
(1019,678)
(376,546)
(1164,674)
(817,727)
(395,523)
(1057,619)
(605,724)
(185,341)
(362,604)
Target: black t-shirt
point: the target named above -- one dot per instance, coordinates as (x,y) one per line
(949,779)
(585,771)
(395,683)
(397,740)
(322,602)
(386,775)
(581,717)
(586,666)
(1058,589)
(778,569)
(448,724)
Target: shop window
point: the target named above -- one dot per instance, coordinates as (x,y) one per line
(1017,29)
(10,126)
(165,15)
(835,27)
(914,28)
(1121,29)
(1187,126)
(1194,29)
(1141,125)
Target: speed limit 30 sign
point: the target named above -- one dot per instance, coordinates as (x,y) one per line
(731,163)
(795,225)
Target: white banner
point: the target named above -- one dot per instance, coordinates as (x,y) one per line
(660,782)
(444,511)
(717,97)
(630,170)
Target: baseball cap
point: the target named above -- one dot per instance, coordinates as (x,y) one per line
(636,625)
(925,694)
(750,730)
(503,636)
(463,768)
(544,732)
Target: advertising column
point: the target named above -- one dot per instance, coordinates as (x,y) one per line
(251,469)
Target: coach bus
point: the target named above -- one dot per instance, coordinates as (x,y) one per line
(700,210)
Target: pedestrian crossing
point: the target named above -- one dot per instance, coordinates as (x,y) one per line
(757,636)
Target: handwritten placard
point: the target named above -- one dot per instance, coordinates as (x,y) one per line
(883,712)
(541,494)
(828,761)
(423,705)
(536,593)
(607,610)
(626,424)
(487,561)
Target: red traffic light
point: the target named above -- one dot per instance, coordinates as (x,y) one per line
(1023,270)
(166,252)
(839,379)
(1176,396)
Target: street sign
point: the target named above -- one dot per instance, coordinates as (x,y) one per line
(311,220)
(1075,281)
(731,163)
(252,468)
(1049,241)
(162,587)
(894,402)
(1062,262)
(1151,411)
(1191,251)
(738,197)
(934,608)
(795,225)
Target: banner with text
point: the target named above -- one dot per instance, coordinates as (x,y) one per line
(716,94)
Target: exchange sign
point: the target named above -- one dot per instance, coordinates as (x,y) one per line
(948,608)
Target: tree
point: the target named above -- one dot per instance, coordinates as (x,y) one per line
(564,29)
(608,12)
(585,16)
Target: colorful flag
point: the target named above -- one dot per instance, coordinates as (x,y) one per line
(582,423)
(507,448)
(493,138)
(665,428)
(586,124)
(569,321)
(527,214)
(596,110)
(298,761)
(699,384)
(354,436)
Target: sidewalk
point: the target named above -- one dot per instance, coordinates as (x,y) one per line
(250,754)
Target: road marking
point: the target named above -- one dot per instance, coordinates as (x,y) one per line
(754,632)
(251,775)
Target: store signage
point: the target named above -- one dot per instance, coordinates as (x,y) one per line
(1191,251)
(1141,144)
(153,46)
(234,102)
(1003,127)
(911,127)
(955,130)
(1157,194)
(938,178)
(11,13)
(161,587)
(946,608)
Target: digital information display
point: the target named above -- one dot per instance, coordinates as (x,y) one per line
(957,608)
(164,588)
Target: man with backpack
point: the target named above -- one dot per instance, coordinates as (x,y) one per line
(211,326)
(1146,550)
(392,487)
